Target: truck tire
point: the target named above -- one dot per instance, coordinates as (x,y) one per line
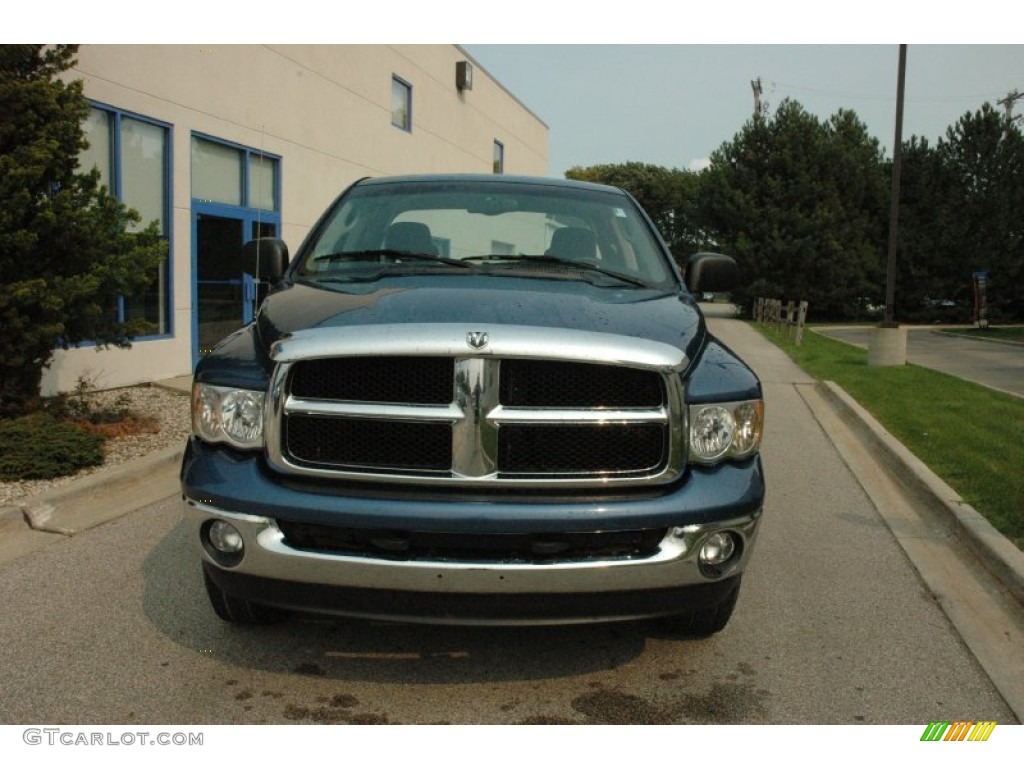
(702,622)
(238,611)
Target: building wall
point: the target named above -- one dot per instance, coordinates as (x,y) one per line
(325,111)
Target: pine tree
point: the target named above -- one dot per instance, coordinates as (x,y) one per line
(65,250)
(800,203)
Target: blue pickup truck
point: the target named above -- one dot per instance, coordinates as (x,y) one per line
(477,399)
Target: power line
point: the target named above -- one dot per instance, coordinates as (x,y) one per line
(878,96)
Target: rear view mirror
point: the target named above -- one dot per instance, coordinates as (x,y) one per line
(266,258)
(711,273)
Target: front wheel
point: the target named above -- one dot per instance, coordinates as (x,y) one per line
(704,621)
(237,610)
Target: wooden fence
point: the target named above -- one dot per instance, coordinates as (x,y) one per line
(789,317)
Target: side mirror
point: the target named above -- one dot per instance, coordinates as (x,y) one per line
(711,273)
(266,258)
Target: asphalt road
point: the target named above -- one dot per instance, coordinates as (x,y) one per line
(833,626)
(996,365)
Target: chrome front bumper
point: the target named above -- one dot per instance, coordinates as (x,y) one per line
(268,556)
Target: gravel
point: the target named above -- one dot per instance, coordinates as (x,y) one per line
(170,409)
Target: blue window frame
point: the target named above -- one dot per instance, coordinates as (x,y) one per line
(134,156)
(236,197)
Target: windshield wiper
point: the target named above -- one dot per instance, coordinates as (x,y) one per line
(390,253)
(521,258)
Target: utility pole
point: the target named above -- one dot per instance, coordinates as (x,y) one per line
(756,86)
(894,209)
(888,344)
(1011,98)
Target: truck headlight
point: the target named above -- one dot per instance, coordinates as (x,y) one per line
(725,430)
(228,415)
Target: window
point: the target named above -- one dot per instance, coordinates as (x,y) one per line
(216,172)
(132,154)
(401,104)
(262,182)
(499,157)
(233,175)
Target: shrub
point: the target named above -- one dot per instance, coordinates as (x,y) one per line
(38,447)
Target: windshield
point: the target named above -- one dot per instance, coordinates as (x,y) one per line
(489,226)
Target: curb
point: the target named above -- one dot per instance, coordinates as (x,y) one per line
(105,495)
(999,556)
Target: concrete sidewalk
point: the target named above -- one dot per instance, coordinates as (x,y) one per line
(177,384)
(68,510)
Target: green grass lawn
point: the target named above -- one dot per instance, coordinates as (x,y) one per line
(970,436)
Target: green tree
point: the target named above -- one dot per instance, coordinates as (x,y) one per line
(982,158)
(65,252)
(801,205)
(667,194)
(926,267)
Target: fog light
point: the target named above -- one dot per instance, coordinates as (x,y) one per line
(717,550)
(224,537)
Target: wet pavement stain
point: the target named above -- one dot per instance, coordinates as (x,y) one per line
(724,703)
(617,708)
(333,715)
(368,718)
(344,700)
(729,701)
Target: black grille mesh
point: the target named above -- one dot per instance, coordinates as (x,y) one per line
(414,380)
(369,443)
(556,384)
(480,547)
(552,449)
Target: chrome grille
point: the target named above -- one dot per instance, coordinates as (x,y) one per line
(478,419)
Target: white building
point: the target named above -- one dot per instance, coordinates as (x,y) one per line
(222,144)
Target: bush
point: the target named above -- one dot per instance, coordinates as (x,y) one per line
(38,447)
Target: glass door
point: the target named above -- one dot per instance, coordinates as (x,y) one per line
(219,283)
(227,291)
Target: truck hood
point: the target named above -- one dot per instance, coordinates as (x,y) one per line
(482,300)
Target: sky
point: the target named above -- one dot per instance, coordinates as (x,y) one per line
(673,105)
(648,80)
